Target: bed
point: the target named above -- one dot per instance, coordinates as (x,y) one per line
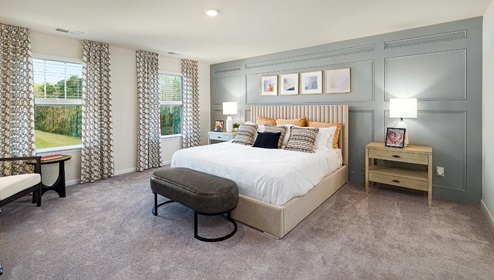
(268,209)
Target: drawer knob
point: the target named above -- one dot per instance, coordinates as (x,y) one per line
(396,181)
(396,156)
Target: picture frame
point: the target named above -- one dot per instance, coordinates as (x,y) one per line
(395,137)
(269,85)
(311,82)
(338,80)
(218,125)
(289,84)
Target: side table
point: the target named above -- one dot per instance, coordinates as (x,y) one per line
(59,185)
(220,136)
(399,176)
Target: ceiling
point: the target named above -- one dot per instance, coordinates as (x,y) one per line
(244,28)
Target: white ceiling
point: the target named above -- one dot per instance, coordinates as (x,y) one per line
(244,28)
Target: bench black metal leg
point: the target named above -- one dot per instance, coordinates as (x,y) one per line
(156,205)
(228,217)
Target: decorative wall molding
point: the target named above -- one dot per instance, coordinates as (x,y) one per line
(435,38)
(458,127)
(310,56)
(226,69)
(434,58)
(358,168)
(217,100)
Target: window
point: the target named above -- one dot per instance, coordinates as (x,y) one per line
(58,103)
(170,104)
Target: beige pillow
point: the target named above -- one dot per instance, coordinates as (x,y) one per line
(263,121)
(245,134)
(298,122)
(302,139)
(323,124)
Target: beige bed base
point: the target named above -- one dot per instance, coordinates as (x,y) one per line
(279,220)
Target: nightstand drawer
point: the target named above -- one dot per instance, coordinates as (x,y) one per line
(398,181)
(399,156)
(220,136)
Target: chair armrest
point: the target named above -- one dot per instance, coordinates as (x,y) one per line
(37,166)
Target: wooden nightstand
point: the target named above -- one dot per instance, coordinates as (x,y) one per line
(399,176)
(220,136)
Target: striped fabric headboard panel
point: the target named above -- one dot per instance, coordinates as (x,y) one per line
(316,113)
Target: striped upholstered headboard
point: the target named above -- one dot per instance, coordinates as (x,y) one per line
(316,113)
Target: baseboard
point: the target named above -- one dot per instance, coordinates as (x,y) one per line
(73,182)
(489,214)
(125,171)
(120,172)
(166,162)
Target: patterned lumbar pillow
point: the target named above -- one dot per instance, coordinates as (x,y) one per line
(245,134)
(302,139)
(276,129)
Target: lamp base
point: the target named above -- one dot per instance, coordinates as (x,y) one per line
(402,124)
(229,124)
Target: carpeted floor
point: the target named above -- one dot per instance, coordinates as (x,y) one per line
(105,230)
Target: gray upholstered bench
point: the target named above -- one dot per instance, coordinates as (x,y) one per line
(206,194)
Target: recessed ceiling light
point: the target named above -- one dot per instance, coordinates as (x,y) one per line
(212,12)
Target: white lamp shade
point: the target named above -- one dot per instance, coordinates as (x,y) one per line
(403,108)
(229,108)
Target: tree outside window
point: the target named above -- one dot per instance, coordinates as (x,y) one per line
(170,104)
(58,103)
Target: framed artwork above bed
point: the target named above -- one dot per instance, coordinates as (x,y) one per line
(269,85)
(289,84)
(311,82)
(338,80)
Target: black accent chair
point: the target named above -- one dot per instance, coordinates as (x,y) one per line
(16,186)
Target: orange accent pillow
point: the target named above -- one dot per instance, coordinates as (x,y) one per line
(298,122)
(323,124)
(263,121)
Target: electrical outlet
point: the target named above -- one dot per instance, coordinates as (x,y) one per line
(440,171)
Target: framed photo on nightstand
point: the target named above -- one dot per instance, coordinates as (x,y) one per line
(395,137)
(218,126)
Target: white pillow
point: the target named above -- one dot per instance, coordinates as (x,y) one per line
(324,139)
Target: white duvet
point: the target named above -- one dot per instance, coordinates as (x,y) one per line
(272,175)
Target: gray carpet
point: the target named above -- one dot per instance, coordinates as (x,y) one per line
(105,230)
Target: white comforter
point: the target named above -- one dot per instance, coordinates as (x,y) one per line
(271,175)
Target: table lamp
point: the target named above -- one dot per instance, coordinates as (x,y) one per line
(403,108)
(229,108)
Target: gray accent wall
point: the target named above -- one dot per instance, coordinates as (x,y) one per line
(440,65)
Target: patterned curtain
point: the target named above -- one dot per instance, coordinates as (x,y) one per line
(16,96)
(97,125)
(191,128)
(149,136)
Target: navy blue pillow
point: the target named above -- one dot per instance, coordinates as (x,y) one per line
(267,140)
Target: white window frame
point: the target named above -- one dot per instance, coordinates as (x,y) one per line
(173,103)
(57,101)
